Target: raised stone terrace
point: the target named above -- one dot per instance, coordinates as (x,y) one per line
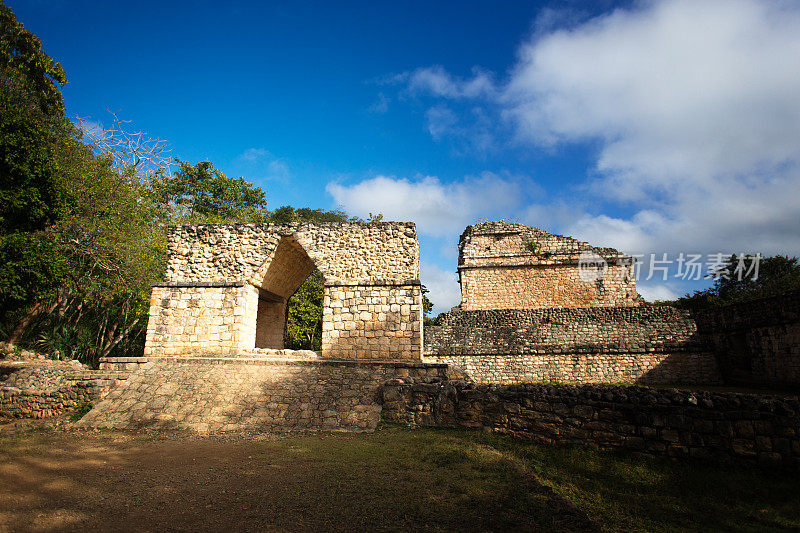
(221,394)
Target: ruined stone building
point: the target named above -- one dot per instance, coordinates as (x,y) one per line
(536,307)
(540,312)
(542,307)
(512,266)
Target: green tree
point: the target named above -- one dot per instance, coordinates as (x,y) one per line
(26,68)
(287,214)
(115,249)
(32,192)
(427,307)
(304,315)
(776,275)
(32,124)
(201,193)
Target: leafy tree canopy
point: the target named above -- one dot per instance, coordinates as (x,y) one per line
(287,214)
(201,193)
(776,275)
(304,315)
(32,124)
(31,269)
(25,66)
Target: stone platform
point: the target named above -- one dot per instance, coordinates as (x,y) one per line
(254,394)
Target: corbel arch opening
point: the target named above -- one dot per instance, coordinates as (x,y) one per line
(289,268)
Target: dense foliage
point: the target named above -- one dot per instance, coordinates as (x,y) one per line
(201,193)
(776,275)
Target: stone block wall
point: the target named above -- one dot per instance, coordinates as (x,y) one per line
(343,252)
(372,321)
(227,285)
(270,324)
(52,390)
(239,394)
(511,266)
(579,345)
(207,318)
(672,423)
(757,342)
(543,286)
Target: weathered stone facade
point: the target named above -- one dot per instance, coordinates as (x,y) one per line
(673,423)
(756,342)
(226,287)
(512,266)
(41,390)
(579,345)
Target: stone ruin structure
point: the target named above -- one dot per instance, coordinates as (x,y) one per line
(213,353)
(226,288)
(531,325)
(214,358)
(511,266)
(542,307)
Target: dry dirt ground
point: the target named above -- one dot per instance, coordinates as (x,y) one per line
(62,479)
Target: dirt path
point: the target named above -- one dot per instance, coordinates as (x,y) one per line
(66,480)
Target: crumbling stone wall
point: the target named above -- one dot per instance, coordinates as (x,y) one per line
(512,266)
(757,342)
(41,391)
(579,345)
(226,287)
(703,425)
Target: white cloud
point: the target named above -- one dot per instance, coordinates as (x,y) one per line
(259,163)
(437,208)
(679,91)
(437,81)
(254,154)
(652,292)
(441,121)
(445,291)
(693,106)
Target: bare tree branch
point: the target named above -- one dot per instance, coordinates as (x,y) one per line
(128,150)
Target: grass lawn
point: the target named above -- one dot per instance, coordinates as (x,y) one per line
(394,479)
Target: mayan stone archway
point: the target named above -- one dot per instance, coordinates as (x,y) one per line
(226,287)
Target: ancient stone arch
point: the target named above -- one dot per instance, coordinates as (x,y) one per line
(226,288)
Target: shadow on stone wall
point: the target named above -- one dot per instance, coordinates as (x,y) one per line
(209,395)
(672,423)
(576,345)
(757,343)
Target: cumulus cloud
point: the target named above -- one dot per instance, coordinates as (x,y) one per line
(693,107)
(445,291)
(438,208)
(677,92)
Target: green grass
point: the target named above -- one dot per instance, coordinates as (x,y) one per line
(634,493)
(619,491)
(437,480)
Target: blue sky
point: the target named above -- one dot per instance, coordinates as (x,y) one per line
(655,127)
